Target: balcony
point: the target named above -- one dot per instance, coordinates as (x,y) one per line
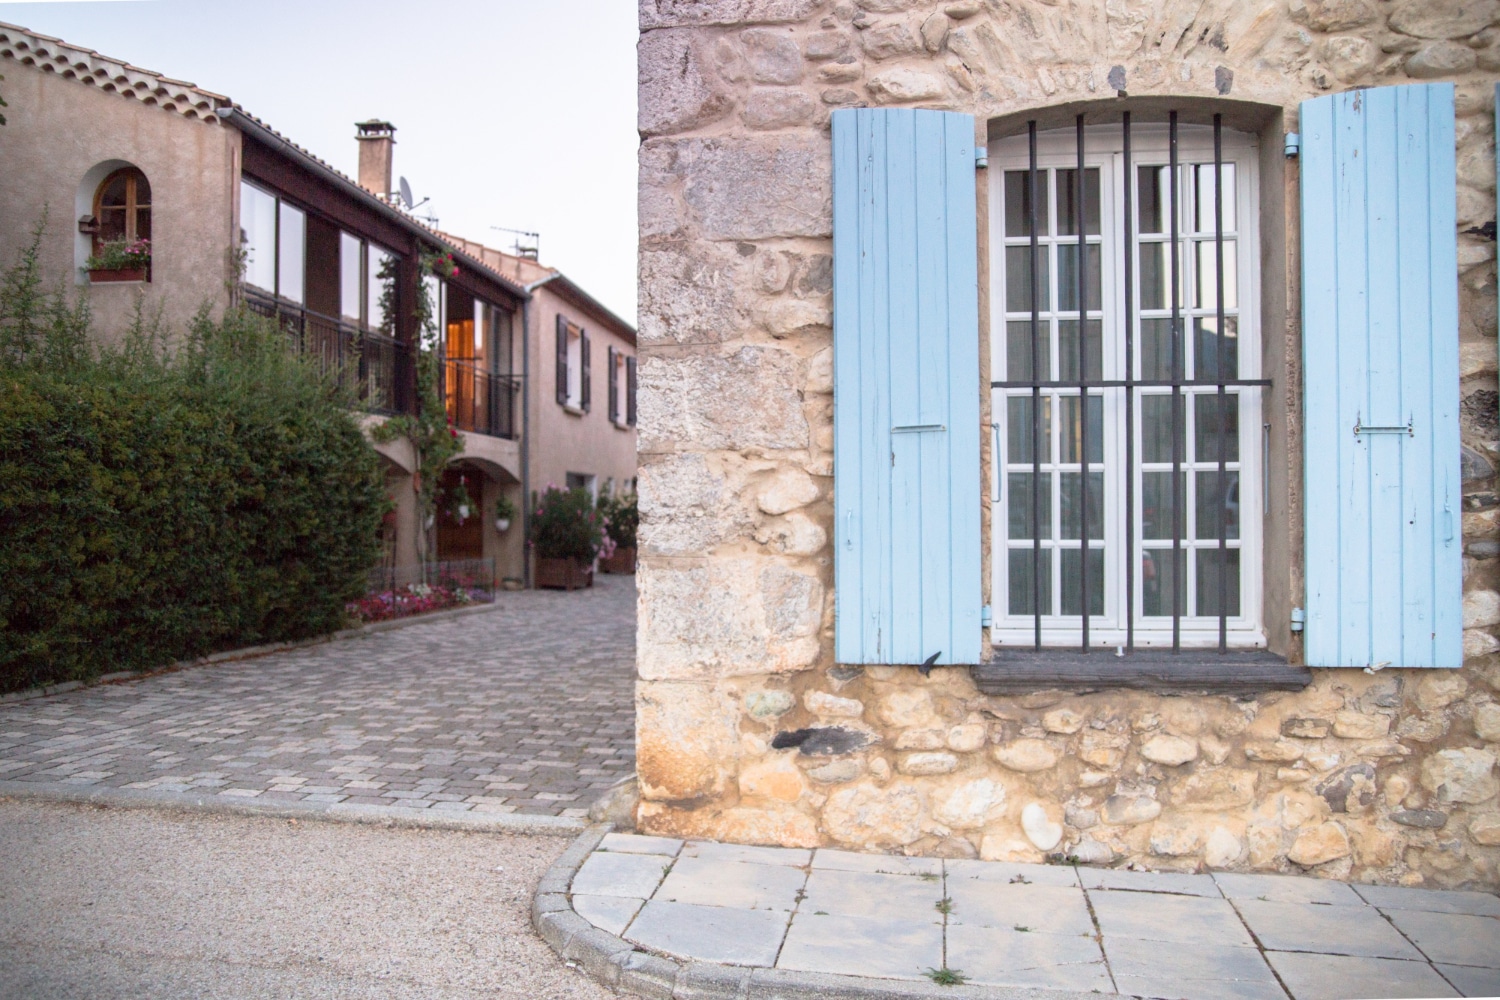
(372,364)
(481,401)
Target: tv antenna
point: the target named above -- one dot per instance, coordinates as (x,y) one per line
(529,248)
(403,191)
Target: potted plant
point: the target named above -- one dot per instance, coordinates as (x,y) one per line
(567,536)
(622,516)
(505,512)
(120,260)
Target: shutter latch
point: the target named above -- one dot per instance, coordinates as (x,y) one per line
(918,428)
(1360,428)
(1293,146)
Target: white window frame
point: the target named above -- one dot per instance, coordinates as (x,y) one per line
(1103,149)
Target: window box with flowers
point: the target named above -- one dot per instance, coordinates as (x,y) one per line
(120,260)
(567,534)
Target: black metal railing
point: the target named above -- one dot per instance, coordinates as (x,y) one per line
(481,401)
(372,364)
(1209,381)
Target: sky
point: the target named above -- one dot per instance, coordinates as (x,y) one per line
(516,113)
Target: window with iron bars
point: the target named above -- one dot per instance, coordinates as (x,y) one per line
(1163,533)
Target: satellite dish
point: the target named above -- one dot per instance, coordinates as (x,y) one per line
(405,194)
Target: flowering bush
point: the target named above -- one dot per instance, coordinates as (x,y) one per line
(622,517)
(566,526)
(120,255)
(414,599)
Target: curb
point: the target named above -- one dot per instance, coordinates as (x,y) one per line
(247,652)
(619,965)
(334,812)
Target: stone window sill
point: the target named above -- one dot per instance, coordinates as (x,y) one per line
(1206,671)
(574,409)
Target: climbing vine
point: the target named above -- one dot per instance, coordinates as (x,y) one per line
(433,438)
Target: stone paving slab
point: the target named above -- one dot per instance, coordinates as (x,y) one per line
(828,923)
(524,709)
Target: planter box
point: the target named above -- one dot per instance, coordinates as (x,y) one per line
(119,274)
(623,561)
(563,574)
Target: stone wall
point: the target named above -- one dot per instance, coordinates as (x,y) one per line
(1387,776)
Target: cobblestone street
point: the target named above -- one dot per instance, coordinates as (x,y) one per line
(526,708)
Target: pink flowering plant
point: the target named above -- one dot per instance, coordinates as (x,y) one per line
(565,525)
(120,255)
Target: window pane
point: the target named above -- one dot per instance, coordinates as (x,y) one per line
(291,248)
(1072,582)
(114,195)
(1209,421)
(1157,582)
(380,289)
(1018,487)
(1023,579)
(1206,295)
(351,269)
(1156,428)
(1067,349)
(258,236)
(1210,565)
(1067,201)
(1018,279)
(1018,349)
(1152,194)
(1018,202)
(1018,428)
(143,223)
(1203,215)
(1156,349)
(1072,433)
(1206,347)
(1217,502)
(1072,502)
(1156,279)
(1067,277)
(1156,505)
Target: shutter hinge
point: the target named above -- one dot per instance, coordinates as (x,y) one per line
(981,158)
(986,617)
(1293,145)
(1299,619)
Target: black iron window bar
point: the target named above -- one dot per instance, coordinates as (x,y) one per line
(1083,384)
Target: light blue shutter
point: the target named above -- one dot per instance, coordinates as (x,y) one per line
(906,387)
(1380,351)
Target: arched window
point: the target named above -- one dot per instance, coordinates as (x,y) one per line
(122,205)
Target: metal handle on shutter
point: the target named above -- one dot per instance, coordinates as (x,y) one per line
(918,428)
(1359,428)
(1447,522)
(849,529)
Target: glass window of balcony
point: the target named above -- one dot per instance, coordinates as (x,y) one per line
(291,256)
(351,277)
(258,236)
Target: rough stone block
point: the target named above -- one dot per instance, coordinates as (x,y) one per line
(670,13)
(674,92)
(757,188)
(751,399)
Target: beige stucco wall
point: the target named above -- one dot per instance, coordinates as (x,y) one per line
(62,129)
(1386,777)
(564,441)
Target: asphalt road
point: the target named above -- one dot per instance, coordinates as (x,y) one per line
(113,903)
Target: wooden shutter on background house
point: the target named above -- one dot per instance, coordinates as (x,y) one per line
(562,361)
(585,373)
(630,390)
(1380,354)
(614,386)
(906,387)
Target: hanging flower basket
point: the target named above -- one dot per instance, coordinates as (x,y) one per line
(502,524)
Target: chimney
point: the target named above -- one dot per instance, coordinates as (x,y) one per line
(377,140)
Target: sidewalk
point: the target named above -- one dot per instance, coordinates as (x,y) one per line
(1005,930)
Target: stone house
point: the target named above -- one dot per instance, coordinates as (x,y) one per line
(877,427)
(235,210)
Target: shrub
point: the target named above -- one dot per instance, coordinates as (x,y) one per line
(566,526)
(157,505)
(622,517)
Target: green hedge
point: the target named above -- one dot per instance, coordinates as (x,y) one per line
(155,507)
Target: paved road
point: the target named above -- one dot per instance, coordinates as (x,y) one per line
(524,709)
(105,904)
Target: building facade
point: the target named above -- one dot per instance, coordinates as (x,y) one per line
(1068,430)
(234,211)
